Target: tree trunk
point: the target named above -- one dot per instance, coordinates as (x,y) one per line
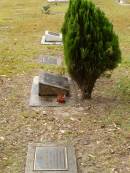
(87,88)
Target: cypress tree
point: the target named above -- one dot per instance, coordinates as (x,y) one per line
(90,45)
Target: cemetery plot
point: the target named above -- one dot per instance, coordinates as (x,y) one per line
(124,2)
(51,38)
(58,0)
(52,60)
(53,85)
(50,158)
(47,87)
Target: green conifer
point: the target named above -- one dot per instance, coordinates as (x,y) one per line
(90,45)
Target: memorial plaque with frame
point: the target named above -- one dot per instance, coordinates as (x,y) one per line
(50,60)
(50,158)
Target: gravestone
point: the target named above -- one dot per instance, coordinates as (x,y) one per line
(123,2)
(53,85)
(50,158)
(50,60)
(58,0)
(51,38)
(51,101)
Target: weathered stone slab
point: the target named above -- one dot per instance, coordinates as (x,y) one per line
(52,60)
(50,158)
(51,38)
(53,85)
(51,101)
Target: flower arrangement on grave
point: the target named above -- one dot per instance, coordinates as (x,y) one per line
(61,98)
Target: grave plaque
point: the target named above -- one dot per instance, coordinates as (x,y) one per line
(50,158)
(47,60)
(51,60)
(58,0)
(123,2)
(53,37)
(53,85)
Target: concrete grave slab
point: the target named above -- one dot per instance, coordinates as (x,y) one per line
(123,2)
(51,101)
(51,38)
(58,0)
(53,85)
(52,60)
(49,43)
(50,158)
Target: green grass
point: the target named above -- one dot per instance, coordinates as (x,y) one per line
(21,27)
(20,42)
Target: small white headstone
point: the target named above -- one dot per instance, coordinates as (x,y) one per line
(51,38)
(124,2)
(58,0)
(121,1)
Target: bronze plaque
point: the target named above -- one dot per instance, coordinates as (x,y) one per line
(51,159)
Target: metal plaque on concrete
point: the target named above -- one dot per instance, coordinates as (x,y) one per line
(51,60)
(52,38)
(53,85)
(50,158)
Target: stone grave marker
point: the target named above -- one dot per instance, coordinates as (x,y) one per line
(50,86)
(51,38)
(58,0)
(123,2)
(50,158)
(53,60)
(53,85)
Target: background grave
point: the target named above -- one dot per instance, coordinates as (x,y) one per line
(51,101)
(58,1)
(50,158)
(51,38)
(52,60)
(124,2)
(50,43)
(53,85)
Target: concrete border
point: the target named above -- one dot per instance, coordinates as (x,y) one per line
(72,165)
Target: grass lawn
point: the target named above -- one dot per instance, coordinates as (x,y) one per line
(99,129)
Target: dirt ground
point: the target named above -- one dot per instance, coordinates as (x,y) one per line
(94,127)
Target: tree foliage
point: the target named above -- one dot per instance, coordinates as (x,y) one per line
(90,45)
